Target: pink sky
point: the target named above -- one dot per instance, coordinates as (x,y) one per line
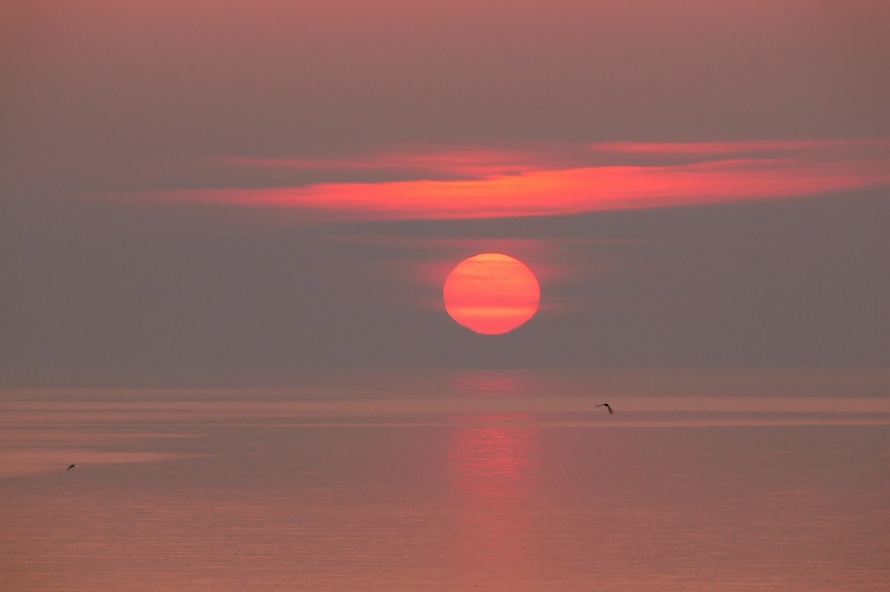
(196,182)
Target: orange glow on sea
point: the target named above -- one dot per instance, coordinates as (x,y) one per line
(506,481)
(493,475)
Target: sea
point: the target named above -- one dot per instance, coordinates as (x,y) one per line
(446,480)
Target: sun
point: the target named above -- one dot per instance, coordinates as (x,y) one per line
(492,293)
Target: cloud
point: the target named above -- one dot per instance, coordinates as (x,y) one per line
(551,179)
(752,146)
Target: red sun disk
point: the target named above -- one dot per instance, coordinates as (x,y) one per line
(491,293)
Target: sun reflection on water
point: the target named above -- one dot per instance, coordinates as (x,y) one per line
(493,468)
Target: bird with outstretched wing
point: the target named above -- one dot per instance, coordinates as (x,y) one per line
(606,405)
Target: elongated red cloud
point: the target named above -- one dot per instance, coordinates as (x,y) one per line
(556,180)
(762,146)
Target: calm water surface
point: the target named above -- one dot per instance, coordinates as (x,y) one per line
(485,485)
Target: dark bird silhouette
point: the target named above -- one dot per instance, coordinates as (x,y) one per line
(69,467)
(606,405)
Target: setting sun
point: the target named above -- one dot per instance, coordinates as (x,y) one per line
(491,293)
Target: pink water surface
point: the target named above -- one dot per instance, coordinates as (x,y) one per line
(489,486)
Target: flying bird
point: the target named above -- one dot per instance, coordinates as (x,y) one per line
(606,405)
(69,467)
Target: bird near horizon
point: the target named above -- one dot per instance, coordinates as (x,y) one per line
(606,405)
(69,467)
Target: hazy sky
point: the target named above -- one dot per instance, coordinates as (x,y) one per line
(196,183)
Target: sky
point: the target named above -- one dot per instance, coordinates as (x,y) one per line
(281,184)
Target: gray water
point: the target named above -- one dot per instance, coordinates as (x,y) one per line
(486,485)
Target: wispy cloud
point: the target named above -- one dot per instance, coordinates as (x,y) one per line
(812,147)
(541,180)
